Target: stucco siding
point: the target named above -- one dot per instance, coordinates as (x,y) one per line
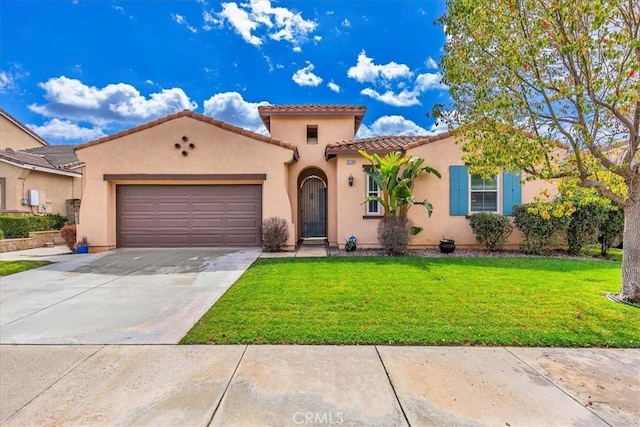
(439,155)
(153,151)
(293,129)
(53,189)
(13,136)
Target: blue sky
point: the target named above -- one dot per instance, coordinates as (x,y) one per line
(77,70)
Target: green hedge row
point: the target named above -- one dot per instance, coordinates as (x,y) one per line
(18,226)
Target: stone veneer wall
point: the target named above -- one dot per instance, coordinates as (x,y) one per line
(36,239)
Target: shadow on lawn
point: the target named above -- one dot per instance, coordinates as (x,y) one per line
(520,263)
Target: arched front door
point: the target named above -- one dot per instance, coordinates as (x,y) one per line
(312,204)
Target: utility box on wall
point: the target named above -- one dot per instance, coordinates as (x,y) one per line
(34,198)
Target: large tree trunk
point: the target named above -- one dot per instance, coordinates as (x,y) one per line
(631,256)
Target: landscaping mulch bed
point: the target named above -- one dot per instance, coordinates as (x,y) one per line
(459,253)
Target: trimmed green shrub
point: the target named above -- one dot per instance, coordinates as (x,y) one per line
(68,234)
(539,232)
(584,224)
(1,234)
(19,226)
(58,220)
(611,229)
(275,233)
(491,229)
(394,234)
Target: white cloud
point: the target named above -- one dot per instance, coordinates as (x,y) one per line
(7,82)
(429,81)
(281,23)
(306,77)
(297,49)
(181,20)
(391,125)
(65,130)
(178,18)
(149,82)
(71,99)
(346,23)
(405,98)
(241,22)
(231,108)
(431,63)
(366,71)
(120,9)
(333,86)
(393,83)
(9,78)
(438,127)
(210,21)
(317,38)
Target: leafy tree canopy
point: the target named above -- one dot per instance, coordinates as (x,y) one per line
(552,87)
(526,75)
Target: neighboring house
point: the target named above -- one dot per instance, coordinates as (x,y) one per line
(191,180)
(35,177)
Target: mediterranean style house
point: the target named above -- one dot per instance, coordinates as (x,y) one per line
(36,178)
(191,180)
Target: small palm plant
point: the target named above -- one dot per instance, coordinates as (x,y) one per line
(395,175)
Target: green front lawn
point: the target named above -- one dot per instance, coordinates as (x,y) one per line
(11,267)
(430,301)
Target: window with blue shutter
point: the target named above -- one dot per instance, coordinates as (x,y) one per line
(512,192)
(458,190)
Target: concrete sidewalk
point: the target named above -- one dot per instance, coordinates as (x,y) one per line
(319,385)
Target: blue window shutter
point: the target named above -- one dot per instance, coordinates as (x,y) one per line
(458,190)
(512,192)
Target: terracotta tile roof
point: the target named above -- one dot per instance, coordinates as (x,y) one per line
(22,126)
(383,144)
(60,156)
(266,111)
(196,116)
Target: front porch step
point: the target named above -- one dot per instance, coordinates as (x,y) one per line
(313,241)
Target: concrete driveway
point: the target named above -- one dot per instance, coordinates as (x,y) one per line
(127,296)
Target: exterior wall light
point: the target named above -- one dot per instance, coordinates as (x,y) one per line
(350,179)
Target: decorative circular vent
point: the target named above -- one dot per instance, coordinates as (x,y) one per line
(178,146)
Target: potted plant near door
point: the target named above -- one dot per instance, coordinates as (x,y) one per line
(82,246)
(447,246)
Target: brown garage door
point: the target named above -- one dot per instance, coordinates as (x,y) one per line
(188,215)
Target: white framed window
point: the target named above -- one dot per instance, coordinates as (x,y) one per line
(373,207)
(483,194)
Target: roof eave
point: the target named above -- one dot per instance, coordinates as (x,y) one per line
(196,116)
(41,169)
(330,153)
(23,127)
